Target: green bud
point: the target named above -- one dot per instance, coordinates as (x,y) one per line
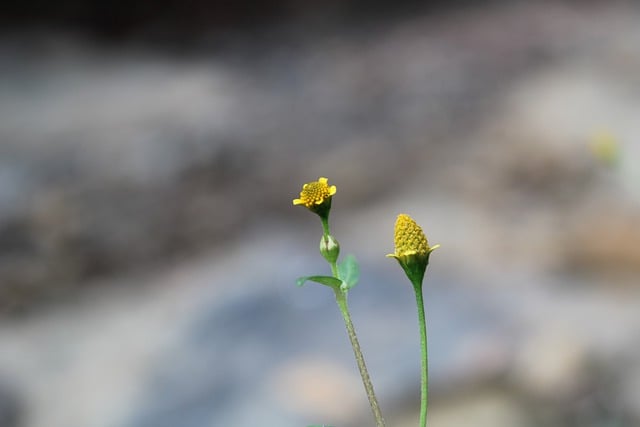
(329,248)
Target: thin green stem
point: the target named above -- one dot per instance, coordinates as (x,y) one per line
(341,299)
(325,225)
(424,377)
(334,269)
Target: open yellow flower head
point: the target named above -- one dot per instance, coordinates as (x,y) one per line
(316,196)
(315,193)
(411,248)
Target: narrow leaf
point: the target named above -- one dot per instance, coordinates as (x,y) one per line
(332,282)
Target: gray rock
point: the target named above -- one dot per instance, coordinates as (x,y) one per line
(11,406)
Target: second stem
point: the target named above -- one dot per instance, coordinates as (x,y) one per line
(424,377)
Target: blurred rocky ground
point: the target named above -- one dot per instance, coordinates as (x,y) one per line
(148,246)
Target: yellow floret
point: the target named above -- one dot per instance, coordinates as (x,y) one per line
(409,239)
(315,193)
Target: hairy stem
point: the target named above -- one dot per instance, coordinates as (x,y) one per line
(341,299)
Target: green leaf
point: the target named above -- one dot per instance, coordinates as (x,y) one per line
(332,282)
(349,271)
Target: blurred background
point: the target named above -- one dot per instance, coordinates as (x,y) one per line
(149,153)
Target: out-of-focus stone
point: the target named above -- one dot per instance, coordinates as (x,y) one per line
(321,389)
(480,408)
(629,394)
(11,407)
(604,241)
(550,365)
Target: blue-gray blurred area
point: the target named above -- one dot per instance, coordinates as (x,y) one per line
(149,248)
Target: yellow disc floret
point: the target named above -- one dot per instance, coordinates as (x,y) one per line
(315,193)
(408,237)
(411,248)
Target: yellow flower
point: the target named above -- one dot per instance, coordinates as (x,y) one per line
(412,249)
(315,193)
(409,238)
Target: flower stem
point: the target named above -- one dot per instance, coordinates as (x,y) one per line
(325,224)
(424,377)
(341,299)
(334,269)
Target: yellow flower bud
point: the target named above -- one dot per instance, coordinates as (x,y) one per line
(412,249)
(408,237)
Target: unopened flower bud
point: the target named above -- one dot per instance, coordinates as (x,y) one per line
(411,248)
(329,248)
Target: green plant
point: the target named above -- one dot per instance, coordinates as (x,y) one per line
(412,252)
